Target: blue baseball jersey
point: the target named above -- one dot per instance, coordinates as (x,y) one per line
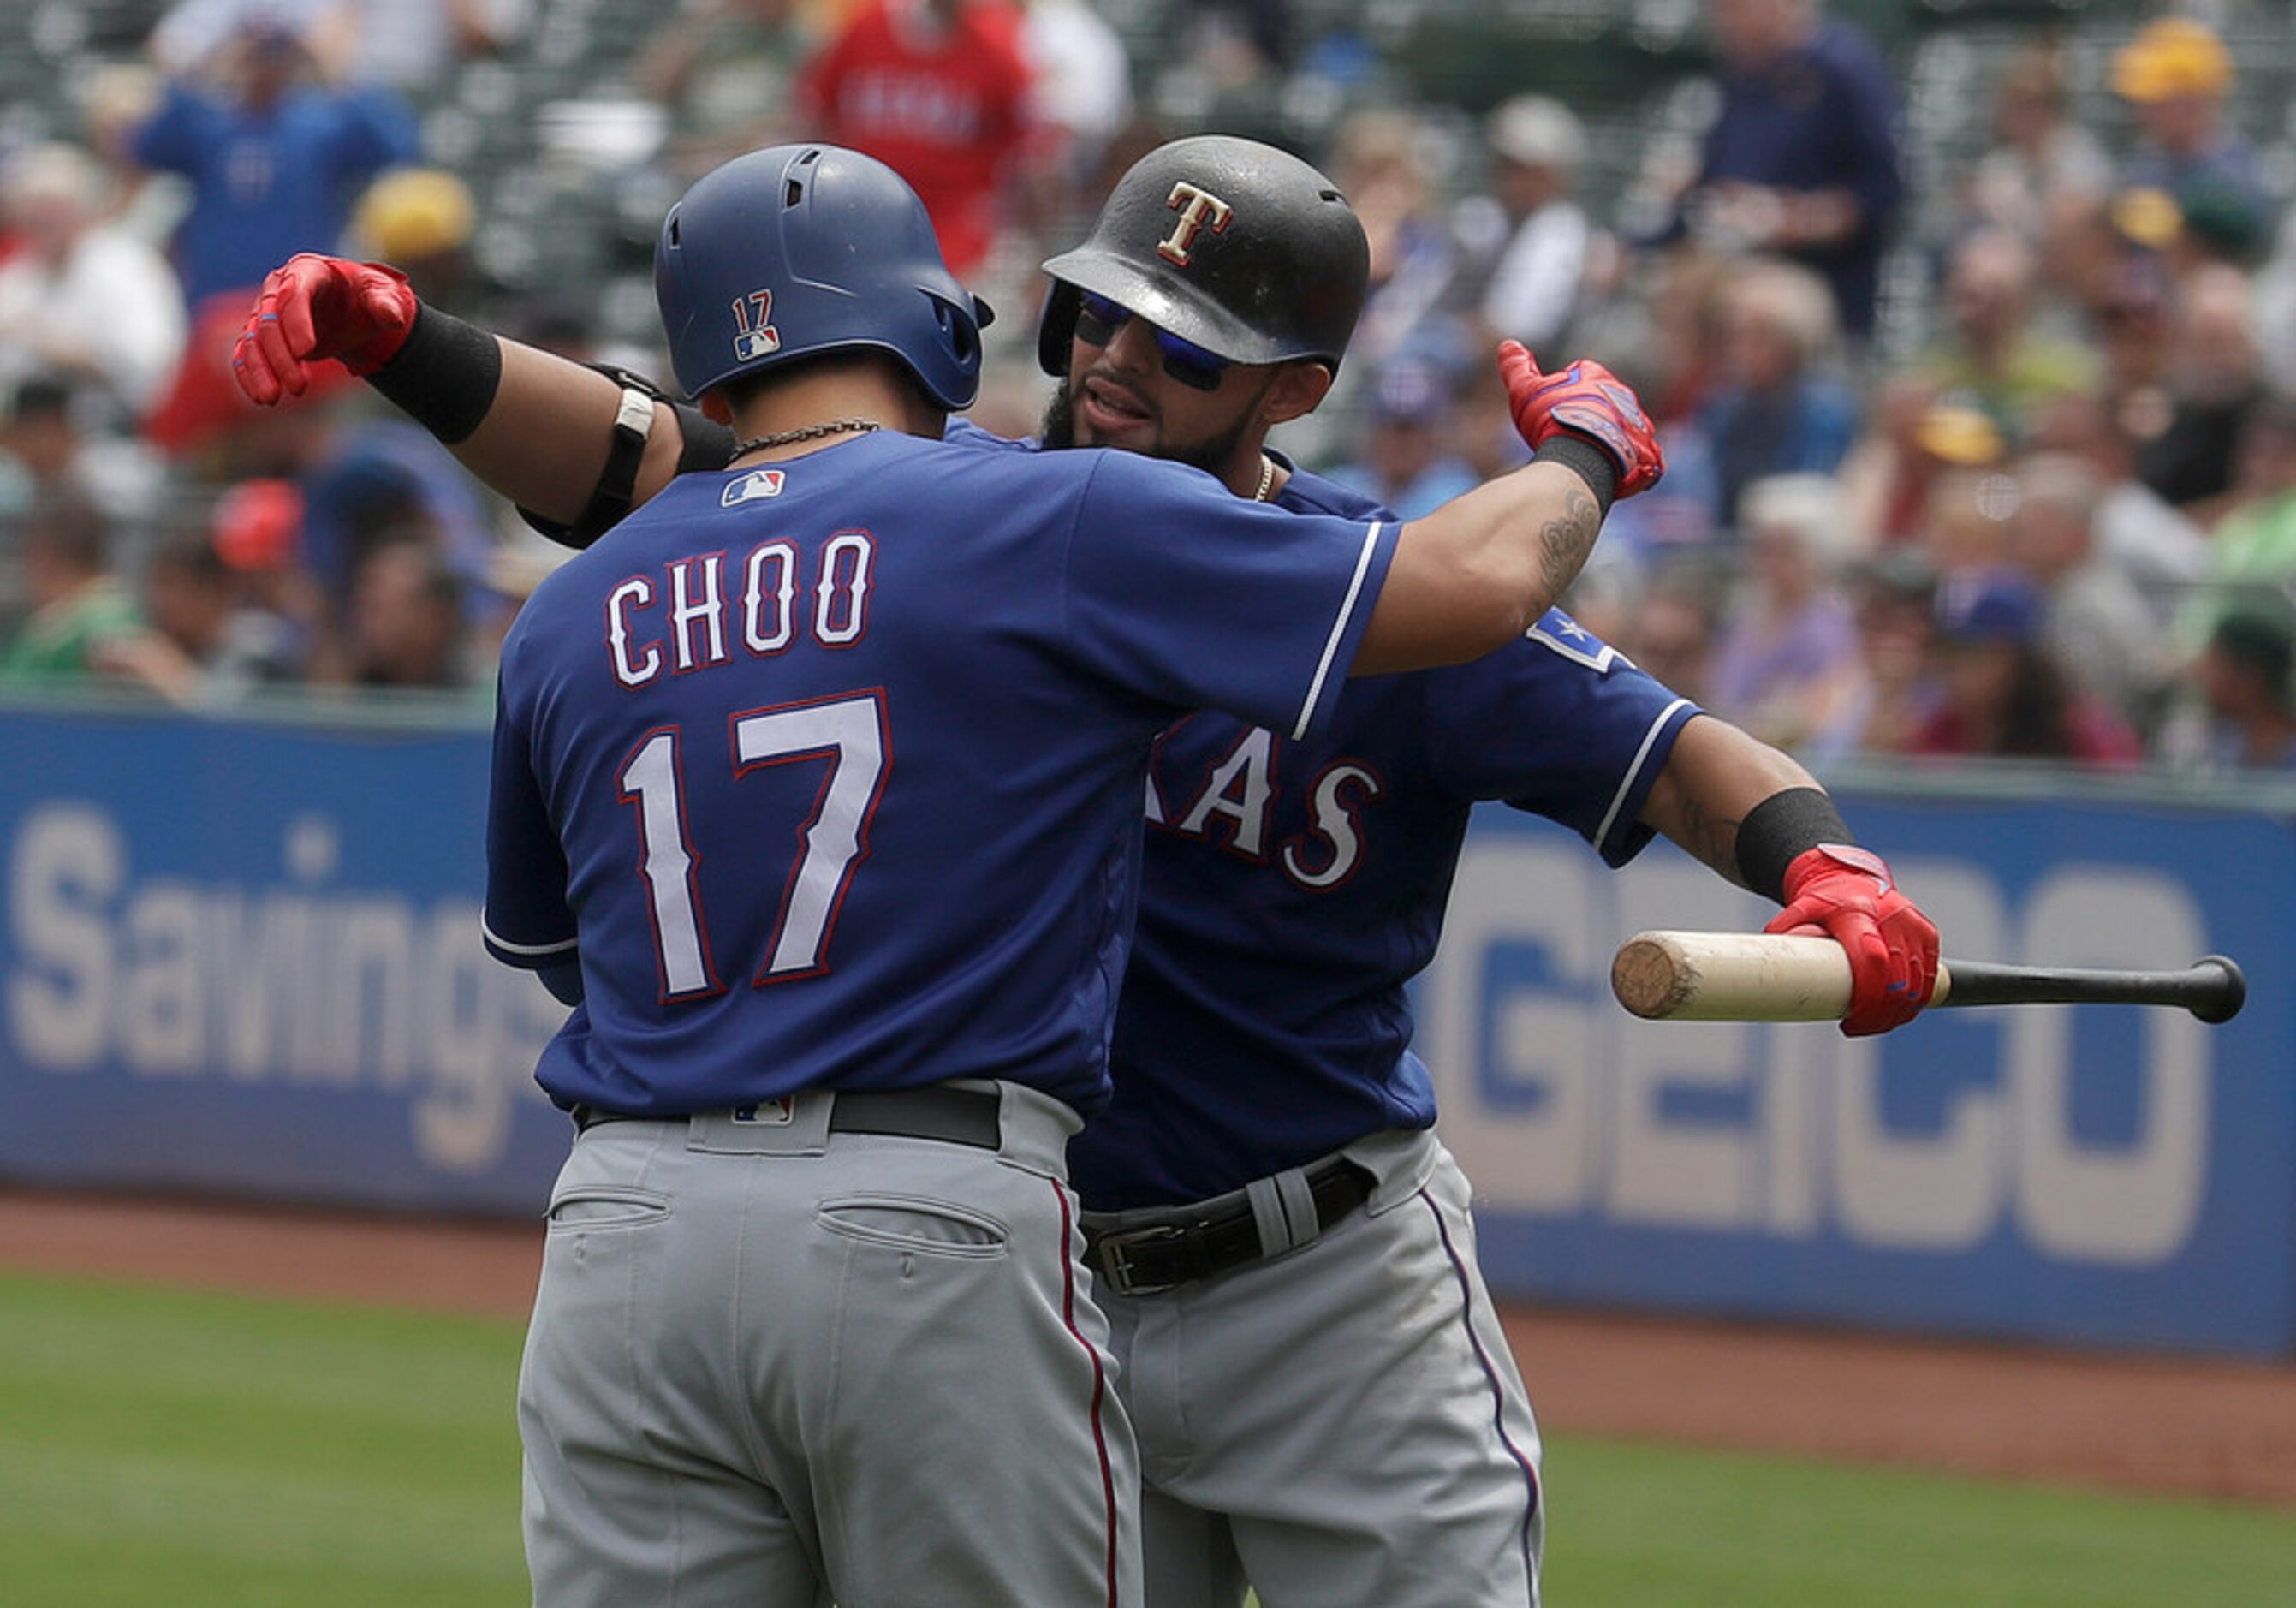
(830,772)
(1293,886)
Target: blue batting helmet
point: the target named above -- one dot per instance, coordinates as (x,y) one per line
(800,250)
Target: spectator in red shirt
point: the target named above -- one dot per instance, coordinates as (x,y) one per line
(938,91)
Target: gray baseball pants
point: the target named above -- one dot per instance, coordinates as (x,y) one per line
(1341,1425)
(771,1365)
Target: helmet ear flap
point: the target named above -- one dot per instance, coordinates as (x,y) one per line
(1058,328)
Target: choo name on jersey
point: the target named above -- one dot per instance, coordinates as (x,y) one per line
(699,610)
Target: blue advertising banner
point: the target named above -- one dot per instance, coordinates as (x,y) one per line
(242,957)
(2104,1174)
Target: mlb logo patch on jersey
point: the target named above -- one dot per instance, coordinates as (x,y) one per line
(767,1113)
(755,484)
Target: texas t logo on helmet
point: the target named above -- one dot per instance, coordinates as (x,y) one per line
(1196,208)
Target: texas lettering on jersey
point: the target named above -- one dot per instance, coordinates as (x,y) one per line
(1233,803)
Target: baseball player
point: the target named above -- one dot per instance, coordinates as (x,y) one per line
(1325,1399)
(814,792)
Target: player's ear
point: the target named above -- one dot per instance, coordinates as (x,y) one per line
(712,403)
(1300,389)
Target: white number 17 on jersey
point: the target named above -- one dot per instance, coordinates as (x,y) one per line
(849,733)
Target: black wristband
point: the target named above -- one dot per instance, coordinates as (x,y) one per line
(1587,461)
(445,377)
(1779,828)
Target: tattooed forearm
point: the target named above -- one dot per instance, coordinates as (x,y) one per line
(1690,822)
(1712,838)
(1565,540)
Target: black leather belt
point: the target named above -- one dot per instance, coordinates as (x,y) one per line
(956,1116)
(1141,1261)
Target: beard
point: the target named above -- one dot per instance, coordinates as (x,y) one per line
(1058,429)
(1213,454)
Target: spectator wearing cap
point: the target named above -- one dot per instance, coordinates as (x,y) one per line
(1411,460)
(256,528)
(1915,441)
(2175,74)
(2246,677)
(2002,695)
(1803,161)
(1532,232)
(1994,355)
(419,220)
(1778,409)
(83,298)
(1785,655)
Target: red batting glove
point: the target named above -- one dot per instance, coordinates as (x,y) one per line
(1588,400)
(315,307)
(1844,893)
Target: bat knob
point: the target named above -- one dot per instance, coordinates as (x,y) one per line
(2223,1003)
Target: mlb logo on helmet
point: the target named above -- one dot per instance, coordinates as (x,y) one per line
(759,339)
(751,487)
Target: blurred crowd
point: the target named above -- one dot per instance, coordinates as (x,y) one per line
(2000,464)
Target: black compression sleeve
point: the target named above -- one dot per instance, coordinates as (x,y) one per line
(1591,463)
(444,376)
(1781,827)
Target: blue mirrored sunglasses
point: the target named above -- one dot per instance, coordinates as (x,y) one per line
(1098,319)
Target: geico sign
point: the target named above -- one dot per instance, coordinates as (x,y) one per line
(1559,1103)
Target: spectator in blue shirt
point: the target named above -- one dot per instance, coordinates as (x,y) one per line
(1776,409)
(275,158)
(1410,459)
(1802,161)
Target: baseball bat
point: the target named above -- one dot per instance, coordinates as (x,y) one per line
(1759,977)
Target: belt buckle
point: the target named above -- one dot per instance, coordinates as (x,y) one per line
(1114,1256)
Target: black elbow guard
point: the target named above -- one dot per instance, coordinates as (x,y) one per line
(707,446)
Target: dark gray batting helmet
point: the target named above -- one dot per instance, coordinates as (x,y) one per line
(1239,247)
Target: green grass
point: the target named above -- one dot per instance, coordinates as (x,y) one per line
(159,1447)
(210,1451)
(1636,1524)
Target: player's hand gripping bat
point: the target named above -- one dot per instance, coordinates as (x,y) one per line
(1760,977)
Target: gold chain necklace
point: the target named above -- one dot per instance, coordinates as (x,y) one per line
(1266,477)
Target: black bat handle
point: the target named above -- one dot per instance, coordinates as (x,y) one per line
(2213,989)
